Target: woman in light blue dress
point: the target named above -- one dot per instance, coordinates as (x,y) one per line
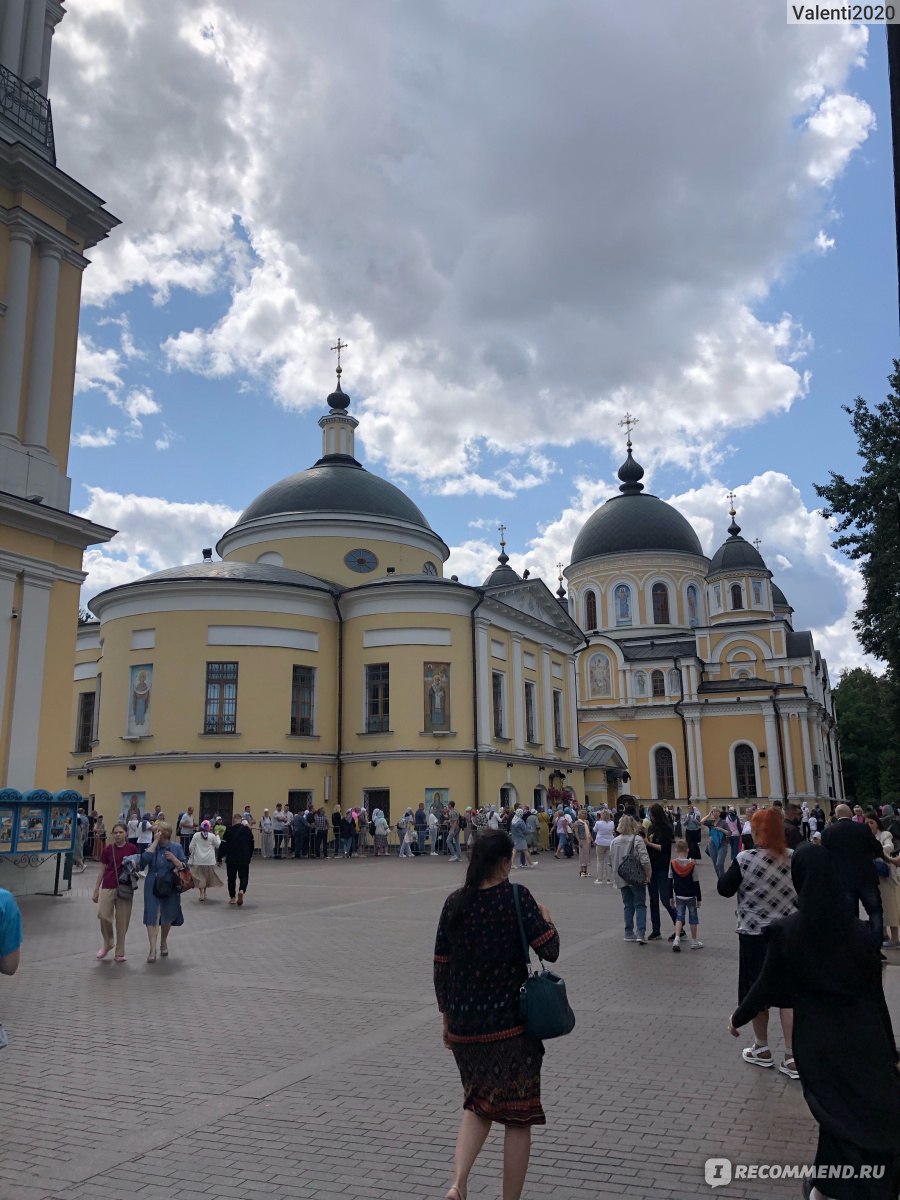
(162,900)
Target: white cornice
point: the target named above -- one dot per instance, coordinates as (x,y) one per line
(405,595)
(210,595)
(48,234)
(52,523)
(40,568)
(177,756)
(22,169)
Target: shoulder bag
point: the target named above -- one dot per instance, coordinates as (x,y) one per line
(543,1004)
(127,878)
(631,869)
(182,878)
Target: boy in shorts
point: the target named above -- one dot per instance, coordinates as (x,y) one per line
(685,893)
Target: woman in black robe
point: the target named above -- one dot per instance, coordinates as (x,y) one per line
(824,961)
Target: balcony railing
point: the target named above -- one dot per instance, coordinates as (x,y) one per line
(28,110)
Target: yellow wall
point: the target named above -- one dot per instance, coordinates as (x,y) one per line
(719,732)
(53,748)
(324,557)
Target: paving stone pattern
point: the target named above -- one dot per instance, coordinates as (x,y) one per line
(290,1050)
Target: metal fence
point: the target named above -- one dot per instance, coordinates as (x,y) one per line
(28,110)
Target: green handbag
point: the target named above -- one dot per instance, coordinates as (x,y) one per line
(543,1004)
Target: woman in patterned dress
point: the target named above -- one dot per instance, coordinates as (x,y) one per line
(479,968)
(761,879)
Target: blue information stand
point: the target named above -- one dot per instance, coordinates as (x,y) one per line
(36,825)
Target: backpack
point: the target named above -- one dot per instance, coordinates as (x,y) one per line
(631,869)
(692,822)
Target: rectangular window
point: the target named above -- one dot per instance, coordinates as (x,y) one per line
(378,698)
(530,731)
(497,689)
(84,734)
(221,697)
(302,699)
(558,719)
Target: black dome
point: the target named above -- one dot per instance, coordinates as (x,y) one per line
(335,485)
(779,599)
(736,555)
(635,522)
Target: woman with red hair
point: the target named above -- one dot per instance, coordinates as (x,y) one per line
(761,880)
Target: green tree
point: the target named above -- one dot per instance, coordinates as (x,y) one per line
(867,707)
(867,515)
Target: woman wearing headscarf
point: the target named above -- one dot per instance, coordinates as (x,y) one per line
(717,846)
(518,831)
(660,838)
(582,832)
(266,835)
(382,832)
(888,881)
(479,969)
(761,880)
(202,853)
(821,962)
(162,900)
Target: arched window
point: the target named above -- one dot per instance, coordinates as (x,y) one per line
(744,771)
(693,605)
(658,683)
(590,611)
(737,598)
(665,773)
(622,597)
(660,604)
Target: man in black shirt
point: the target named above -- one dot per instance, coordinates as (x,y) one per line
(793,833)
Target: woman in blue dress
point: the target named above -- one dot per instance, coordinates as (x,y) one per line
(162,900)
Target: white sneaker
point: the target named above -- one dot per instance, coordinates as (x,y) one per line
(597,882)
(696,944)
(534,864)
(676,945)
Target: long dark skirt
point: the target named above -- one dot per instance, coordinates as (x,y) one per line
(751,956)
(833,1153)
(502,1078)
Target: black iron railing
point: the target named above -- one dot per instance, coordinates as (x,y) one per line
(28,110)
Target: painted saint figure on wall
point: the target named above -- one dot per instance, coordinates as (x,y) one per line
(693,605)
(139,694)
(437,697)
(599,675)
(640,683)
(623,604)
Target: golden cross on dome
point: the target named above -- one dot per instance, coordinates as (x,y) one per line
(501,529)
(339,347)
(628,423)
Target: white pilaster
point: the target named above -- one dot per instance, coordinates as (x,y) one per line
(12,348)
(572,693)
(810,788)
(40,373)
(518,693)
(773,757)
(11,36)
(693,789)
(701,779)
(28,687)
(483,669)
(622,684)
(33,55)
(547,685)
(8,625)
(788,755)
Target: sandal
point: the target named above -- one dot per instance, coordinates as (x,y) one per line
(759,1056)
(151,957)
(454,1193)
(164,951)
(788,1067)
(120,958)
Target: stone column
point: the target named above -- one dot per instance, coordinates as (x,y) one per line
(25,721)
(518,696)
(33,55)
(701,779)
(483,669)
(572,691)
(11,37)
(692,787)
(8,631)
(12,348)
(810,788)
(773,757)
(547,683)
(43,341)
(788,755)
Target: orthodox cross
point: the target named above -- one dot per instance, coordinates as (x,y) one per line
(731,499)
(501,529)
(559,567)
(757,542)
(339,347)
(628,422)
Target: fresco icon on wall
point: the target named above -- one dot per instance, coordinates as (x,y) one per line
(437,697)
(140,691)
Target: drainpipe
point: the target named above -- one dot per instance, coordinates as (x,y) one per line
(676,659)
(340,702)
(476,786)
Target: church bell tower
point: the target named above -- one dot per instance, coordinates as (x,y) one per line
(48,221)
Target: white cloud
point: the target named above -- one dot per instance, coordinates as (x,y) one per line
(95,439)
(520,217)
(137,404)
(97,367)
(153,534)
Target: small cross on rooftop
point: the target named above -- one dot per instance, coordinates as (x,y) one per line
(628,423)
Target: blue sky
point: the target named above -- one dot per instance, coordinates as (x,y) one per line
(523,222)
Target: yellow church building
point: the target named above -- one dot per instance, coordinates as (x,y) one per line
(326,658)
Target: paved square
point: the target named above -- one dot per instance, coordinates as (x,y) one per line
(291,1050)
